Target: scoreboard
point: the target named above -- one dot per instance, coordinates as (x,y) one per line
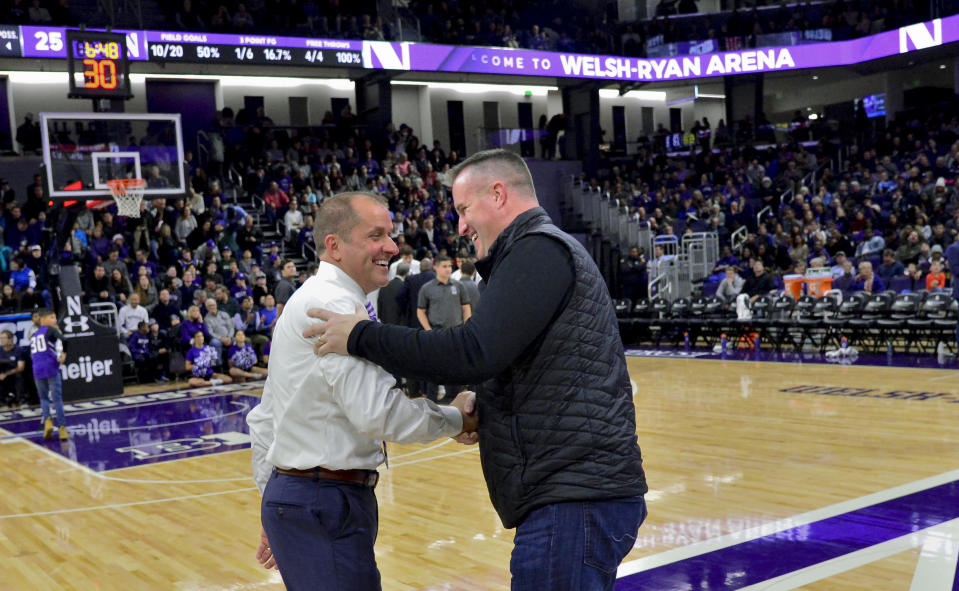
(197,48)
(97,64)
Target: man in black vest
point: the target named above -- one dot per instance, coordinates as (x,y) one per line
(557,426)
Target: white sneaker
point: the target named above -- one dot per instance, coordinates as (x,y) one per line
(441,393)
(216,381)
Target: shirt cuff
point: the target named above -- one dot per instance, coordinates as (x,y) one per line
(454,419)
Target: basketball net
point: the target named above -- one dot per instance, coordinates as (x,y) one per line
(128,193)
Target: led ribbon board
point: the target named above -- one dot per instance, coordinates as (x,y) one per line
(220,48)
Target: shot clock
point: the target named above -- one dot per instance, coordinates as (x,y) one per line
(98,65)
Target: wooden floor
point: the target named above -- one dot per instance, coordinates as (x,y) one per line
(726,450)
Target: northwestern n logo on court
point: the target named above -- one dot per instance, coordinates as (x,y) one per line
(920,36)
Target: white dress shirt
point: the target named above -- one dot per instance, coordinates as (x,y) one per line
(414,268)
(332,411)
(457,275)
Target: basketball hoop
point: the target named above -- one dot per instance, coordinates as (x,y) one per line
(128,193)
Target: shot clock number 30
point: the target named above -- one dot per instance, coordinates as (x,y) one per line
(98,65)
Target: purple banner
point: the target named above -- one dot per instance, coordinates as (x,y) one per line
(567,65)
(252,40)
(163,46)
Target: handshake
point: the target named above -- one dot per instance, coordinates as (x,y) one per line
(465,402)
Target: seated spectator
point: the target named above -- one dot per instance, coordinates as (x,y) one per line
(730,286)
(868,281)
(190,325)
(147,292)
(846,281)
(185,225)
(120,288)
(22,277)
(220,326)
(276,201)
(242,360)
(268,314)
(839,268)
(165,311)
(9,299)
(909,252)
(13,392)
(758,284)
(890,268)
(145,357)
(873,246)
(935,278)
(131,315)
(201,361)
(293,220)
(914,274)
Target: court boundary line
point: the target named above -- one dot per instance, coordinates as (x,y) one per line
(798,363)
(122,505)
(779,525)
(138,405)
(471,448)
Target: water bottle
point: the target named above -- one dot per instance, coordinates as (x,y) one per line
(843,343)
(756,344)
(722,342)
(686,340)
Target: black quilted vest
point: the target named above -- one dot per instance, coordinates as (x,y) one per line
(559,424)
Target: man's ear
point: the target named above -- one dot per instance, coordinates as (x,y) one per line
(332,243)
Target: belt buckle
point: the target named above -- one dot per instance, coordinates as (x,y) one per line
(372,478)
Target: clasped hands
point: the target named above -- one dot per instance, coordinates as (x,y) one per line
(332,336)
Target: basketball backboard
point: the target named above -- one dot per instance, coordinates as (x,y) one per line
(82,151)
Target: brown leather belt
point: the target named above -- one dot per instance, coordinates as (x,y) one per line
(367,478)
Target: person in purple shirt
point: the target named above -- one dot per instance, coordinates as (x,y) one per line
(192,325)
(46,354)
(145,356)
(201,361)
(242,360)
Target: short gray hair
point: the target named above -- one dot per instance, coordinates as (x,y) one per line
(503,162)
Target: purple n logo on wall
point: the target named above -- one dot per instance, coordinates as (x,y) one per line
(920,36)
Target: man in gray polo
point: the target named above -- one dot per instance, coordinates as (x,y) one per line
(442,303)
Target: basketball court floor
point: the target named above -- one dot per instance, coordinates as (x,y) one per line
(762,476)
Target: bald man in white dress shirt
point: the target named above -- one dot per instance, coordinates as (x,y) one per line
(319,430)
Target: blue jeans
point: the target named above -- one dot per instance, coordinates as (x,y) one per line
(321,533)
(575,546)
(218,345)
(51,390)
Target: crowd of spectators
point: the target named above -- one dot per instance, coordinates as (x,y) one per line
(741,27)
(888,205)
(203,263)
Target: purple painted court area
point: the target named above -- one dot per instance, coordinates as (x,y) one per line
(793,549)
(145,429)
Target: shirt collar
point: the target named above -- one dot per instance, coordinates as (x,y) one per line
(330,272)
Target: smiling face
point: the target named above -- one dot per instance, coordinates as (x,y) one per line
(365,253)
(473,200)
